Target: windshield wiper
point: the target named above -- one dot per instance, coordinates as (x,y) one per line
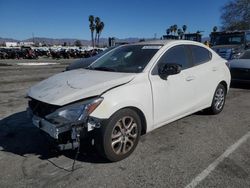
(102,69)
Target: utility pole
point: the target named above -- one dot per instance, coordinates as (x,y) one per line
(33,38)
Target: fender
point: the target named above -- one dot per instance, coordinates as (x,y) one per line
(131,94)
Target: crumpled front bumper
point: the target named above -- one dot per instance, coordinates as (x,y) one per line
(51,129)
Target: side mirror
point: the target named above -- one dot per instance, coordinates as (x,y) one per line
(165,70)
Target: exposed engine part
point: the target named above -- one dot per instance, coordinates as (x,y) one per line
(93,123)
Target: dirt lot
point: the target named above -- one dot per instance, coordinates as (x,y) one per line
(199,150)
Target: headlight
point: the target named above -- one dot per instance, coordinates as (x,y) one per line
(236,53)
(75,112)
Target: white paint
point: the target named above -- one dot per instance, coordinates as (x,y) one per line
(213,165)
(161,101)
(70,86)
(36,64)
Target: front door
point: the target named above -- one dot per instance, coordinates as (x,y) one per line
(173,97)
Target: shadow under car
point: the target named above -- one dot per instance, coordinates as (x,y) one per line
(20,137)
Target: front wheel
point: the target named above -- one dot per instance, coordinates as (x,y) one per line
(218,100)
(119,136)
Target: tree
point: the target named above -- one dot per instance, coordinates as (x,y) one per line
(180,33)
(184,28)
(97,26)
(92,28)
(175,27)
(236,15)
(100,28)
(168,31)
(171,29)
(215,28)
(78,43)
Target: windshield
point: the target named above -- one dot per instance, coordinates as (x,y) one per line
(228,39)
(104,52)
(128,59)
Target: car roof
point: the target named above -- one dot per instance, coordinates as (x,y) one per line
(154,42)
(165,42)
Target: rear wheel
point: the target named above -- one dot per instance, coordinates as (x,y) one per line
(218,100)
(119,136)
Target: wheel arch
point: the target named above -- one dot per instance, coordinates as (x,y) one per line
(224,83)
(143,119)
(141,115)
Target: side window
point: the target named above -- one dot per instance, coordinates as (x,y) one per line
(200,55)
(176,54)
(248,37)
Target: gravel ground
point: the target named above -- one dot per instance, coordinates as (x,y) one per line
(171,156)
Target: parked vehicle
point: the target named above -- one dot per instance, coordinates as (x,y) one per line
(53,52)
(17,53)
(230,44)
(128,92)
(85,62)
(240,68)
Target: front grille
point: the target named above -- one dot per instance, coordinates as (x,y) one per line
(240,73)
(41,109)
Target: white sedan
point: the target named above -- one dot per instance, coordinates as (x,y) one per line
(128,92)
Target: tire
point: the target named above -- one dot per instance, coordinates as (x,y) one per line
(119,135)
(218,100)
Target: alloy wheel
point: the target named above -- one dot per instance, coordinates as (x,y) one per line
(219,99)
(124,135)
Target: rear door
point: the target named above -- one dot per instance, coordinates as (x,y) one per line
(205,71)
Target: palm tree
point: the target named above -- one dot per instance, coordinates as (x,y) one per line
(97,26)
(101,27)
(184,28)
(175,27)
(179,32)
(215,29)
(92,28)
(168,31)
(171,29)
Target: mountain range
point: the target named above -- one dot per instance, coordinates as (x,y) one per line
(67,41)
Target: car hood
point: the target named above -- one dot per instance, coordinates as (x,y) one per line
(240,63)
(70,86)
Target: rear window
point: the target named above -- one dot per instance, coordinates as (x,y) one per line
(200,55)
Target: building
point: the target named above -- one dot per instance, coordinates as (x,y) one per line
(18,44)
(11,44)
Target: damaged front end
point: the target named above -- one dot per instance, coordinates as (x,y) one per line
(65,124)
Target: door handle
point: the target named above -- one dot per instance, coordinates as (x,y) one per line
(190,78)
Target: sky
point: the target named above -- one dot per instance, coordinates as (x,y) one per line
(20,19)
